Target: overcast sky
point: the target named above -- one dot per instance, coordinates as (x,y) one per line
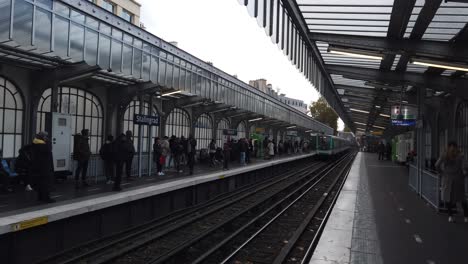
(221,31)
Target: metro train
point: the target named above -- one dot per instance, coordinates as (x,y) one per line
(327,146)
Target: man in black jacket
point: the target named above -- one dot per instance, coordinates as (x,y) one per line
(130,153)
(191,150)
(82,153)
(106,155)
(121,150)
(42,167)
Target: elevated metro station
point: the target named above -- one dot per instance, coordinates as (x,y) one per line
(393,70)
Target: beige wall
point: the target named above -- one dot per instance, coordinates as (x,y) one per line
(130,5)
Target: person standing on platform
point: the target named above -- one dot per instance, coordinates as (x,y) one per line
(82,153)
(271,149)
(249,150)
(165,151)
(212,151)
(184,157)
(157,152)
(121,152)
(191,150)
(381,150)
(243,147)
(106,155)
(130,153)
(42,167)
(226,155)
(454,170)
(178,152)
(388,151)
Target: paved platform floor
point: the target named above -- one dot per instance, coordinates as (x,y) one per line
(21,201)
(378,219)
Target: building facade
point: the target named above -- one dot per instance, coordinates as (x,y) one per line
(126,9)
(296,103)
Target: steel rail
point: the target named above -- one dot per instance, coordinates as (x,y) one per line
(112,253)
(286,250)
(165,257)
(110,241)
(243,245)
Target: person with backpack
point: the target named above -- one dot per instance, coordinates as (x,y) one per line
(82,153)
(157,153)
(107,156)
(42,166)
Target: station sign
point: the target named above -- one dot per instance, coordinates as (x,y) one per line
(404,115)
(404,112)
(403,122)
(146,120)
(230,132)
(260,130)
(291,133)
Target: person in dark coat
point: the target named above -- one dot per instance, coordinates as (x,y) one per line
(191,150)
(42,166)
(388,151)
(243,148)
(122,150)
(106,155)
(453,170)
(82,153)
(130,153)
(157,152)
(178,152)
(183,158)
(226,155)
(381,150)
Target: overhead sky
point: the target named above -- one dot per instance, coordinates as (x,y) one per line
(222,32)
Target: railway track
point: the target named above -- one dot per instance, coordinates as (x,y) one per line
(202,241)
(123,245)
(280,234)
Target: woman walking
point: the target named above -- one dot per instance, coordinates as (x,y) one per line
(453,168)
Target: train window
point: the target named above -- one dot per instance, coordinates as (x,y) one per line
(324,143)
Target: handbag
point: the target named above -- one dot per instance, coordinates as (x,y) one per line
(162,160)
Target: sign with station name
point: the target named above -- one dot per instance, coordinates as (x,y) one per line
(230,132)
(403,122)
(146,120)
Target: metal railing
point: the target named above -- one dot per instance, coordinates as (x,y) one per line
(413,177)
(430,189)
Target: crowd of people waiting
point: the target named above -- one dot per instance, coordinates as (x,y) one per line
(35,162)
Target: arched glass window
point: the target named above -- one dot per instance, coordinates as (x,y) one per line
(134,108)
(11,118)
(203,131)
(241,131)
(178,123)
(83,106)
(220,137)
(462,128)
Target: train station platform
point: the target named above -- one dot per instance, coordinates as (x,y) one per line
(378,218)
(23,206)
